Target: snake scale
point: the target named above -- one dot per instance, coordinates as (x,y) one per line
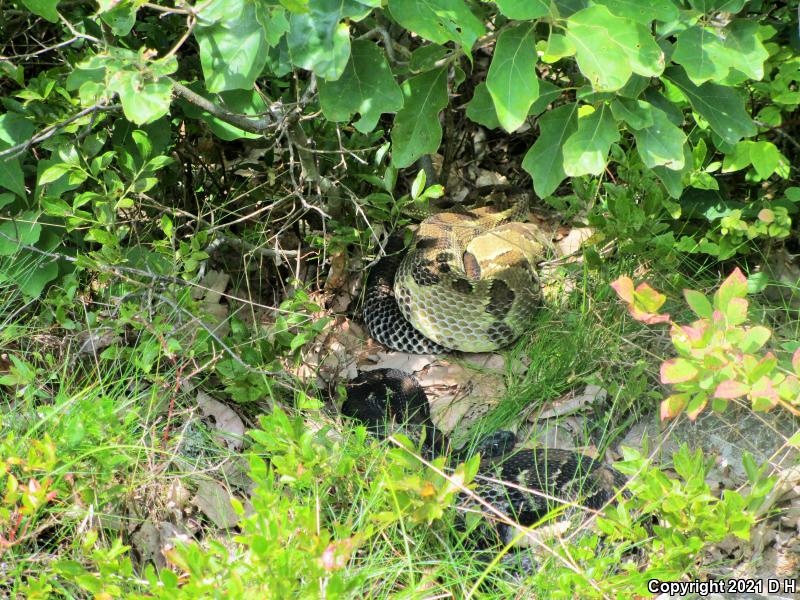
(468,282)
(523,484)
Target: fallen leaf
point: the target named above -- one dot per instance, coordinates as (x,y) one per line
(228,424)
(214,501)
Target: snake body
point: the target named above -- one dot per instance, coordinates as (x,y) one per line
(523,484)
(468,283)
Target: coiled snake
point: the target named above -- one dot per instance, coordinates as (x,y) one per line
(535,479)
(469,283)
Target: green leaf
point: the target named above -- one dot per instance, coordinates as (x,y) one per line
(698,302)
(523,10)
(14,129)
(555,48)
(512,80)
(609,48)
(677,370)
(439,21)
(547,93)
(319,41)
(643,11)
(662,143)
(33,280)
(24,230)
(143,100)
(722,107)
(765,158)
(742,40)
(119,16)
(43,8)
(545,159)
(11,176)
(707,6)
(636,113)
(416,128)
(754,339)
(481,108)
(244,102)
(366,87)
(233,44)
(738,159)
(736,312)
(703,54)
(586,150)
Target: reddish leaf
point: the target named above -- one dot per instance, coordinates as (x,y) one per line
(624,287)
(730,389)
(736,312)
(696,406)
(698,303)
(766,215)
(735,286)
(672,406)
(648,299)
(648,318)
(677,370)
(796,362)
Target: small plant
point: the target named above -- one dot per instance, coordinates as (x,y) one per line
(718,355)
(689,518)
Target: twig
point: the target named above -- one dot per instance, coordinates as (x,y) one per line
(50,131)
(42,51)
(243,122)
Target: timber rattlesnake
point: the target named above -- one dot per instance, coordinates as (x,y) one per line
(523,484)
(467,283)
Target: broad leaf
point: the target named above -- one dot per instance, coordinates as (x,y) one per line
(233,44)
(736,312)
(25,230)
(721,106)
(555,48)
(319,40)
(586,150)
(43,8)
(439,21)
(672,406)
(609,48)
(754,339)
(742,40)
(698,302)
(703,54)
(661,143)
(642,11)
(524,10)
(481,108)
(636,113)
(14,129)
(366,87)
(512,80)
(765,158)
(707,6)
(545,159)
(416,128)
(143,101)
(734,286)
(677,370)
(730,389)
